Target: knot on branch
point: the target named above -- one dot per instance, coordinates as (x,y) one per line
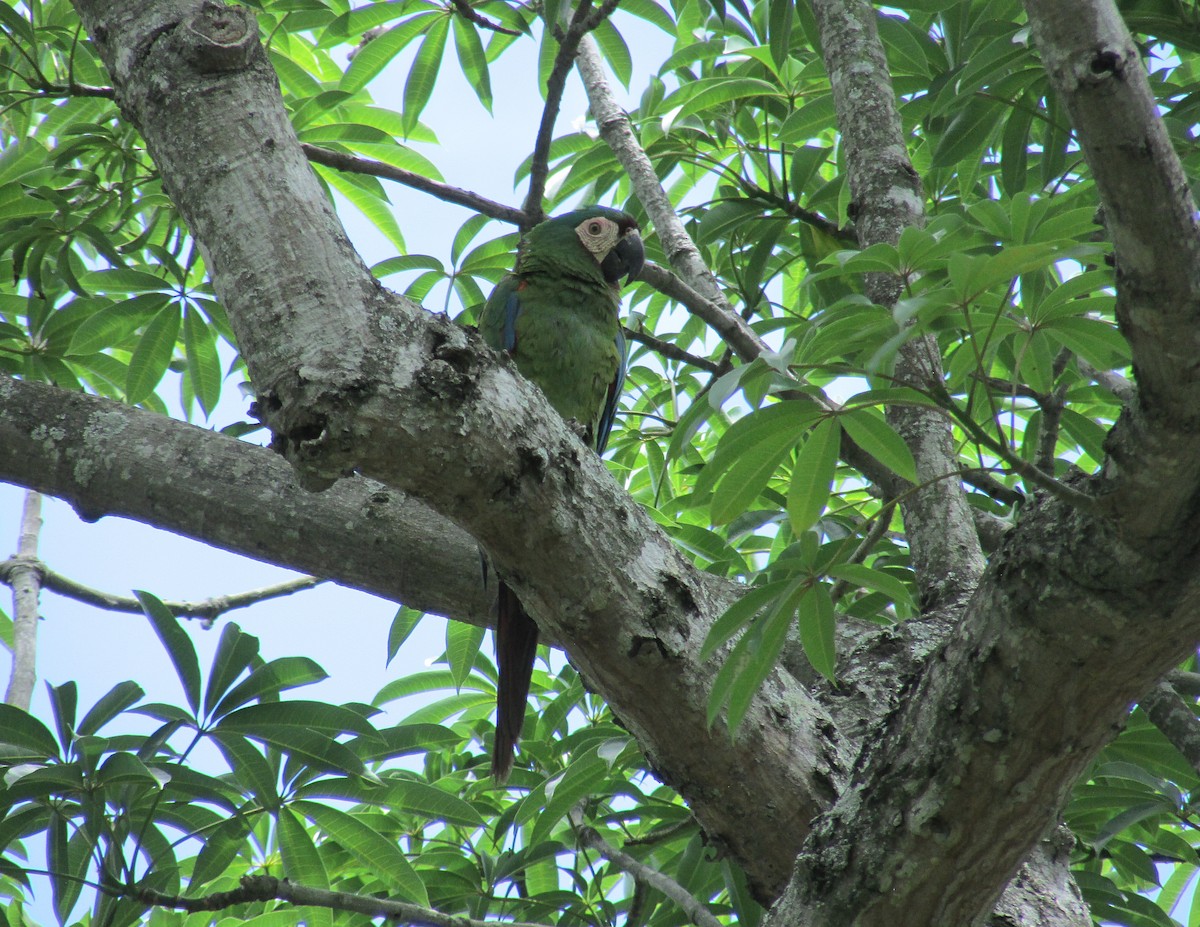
(219,37)
(1107,62)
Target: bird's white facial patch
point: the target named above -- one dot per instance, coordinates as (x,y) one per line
(599,235)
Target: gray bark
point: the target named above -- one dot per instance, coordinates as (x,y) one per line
(26,588)
(945,550)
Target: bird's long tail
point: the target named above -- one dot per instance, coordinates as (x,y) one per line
(516,648)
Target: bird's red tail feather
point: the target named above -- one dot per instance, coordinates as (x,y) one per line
(516,649)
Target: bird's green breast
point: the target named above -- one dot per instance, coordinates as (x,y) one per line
(567,346)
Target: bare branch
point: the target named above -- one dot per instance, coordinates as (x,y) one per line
(479,19)
(1175,718)
(208,609)
(616,130)
(696,911)
(269,888)
(356,165)
(582,22)
(1119,386)
(26,586)
(236,496)
(879,527)
(671,351)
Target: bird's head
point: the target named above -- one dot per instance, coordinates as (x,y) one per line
(610,236)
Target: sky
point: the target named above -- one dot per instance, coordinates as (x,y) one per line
(345,630)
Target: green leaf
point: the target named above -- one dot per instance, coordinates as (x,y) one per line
(235,652)
(713,92)
(864,577)
(177,643)
(750,473)
(378,53)
(305,715)
(203,364)
(120,697)
(377,853)
(26,734)
(125,768)
(431,802)
(968,132)
(578,781)
(403,624)
(764,645)
(473,59)
(312,748)
(250,768)
(221,847)
(423,74)
(875,436)
(815,615)
(114,325)
(812,475)
(781,15)
(462,647)
(152,355)
(62,887)
(302,862)
(739,614)
(268,681)
(64,701)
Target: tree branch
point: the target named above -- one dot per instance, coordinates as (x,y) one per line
(945,549)
(470,13)
(671,351)
(1176,719)
(353,164)
(208,609)
(695,910)
(583,21)
(106,458)
(26,585)
(724,321)
(1117,592)
(269,888)
(618,134)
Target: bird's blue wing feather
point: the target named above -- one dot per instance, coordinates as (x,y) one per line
(614,396)
(512,309)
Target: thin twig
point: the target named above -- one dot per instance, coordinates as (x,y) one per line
(469,12)
(26,587)
(269,888)
(582,21)
(671,351)
(208,609)
(879,528)
(845,234)
(1052,406)
(443,191)
(693,908)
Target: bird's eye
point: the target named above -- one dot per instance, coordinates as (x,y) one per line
(595,228)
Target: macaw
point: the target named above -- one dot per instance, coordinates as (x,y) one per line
(556,314)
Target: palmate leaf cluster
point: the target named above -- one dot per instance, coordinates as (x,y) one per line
(102,289)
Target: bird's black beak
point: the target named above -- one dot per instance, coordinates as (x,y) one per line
(625,260)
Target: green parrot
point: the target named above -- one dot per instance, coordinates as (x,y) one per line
(557,315)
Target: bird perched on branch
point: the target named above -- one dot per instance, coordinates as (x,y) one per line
(557,315)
